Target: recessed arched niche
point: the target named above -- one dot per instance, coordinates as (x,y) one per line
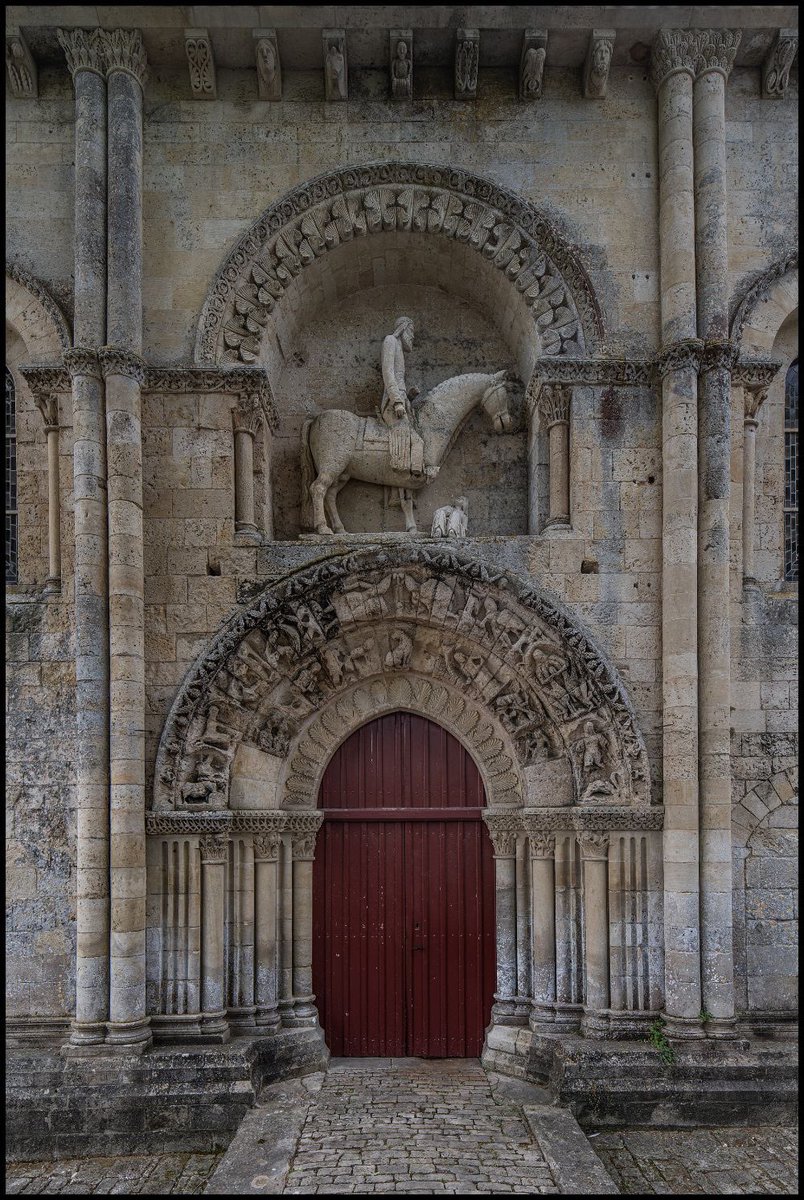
(323,351)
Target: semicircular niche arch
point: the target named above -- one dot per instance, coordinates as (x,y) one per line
(416,627)
(508,235)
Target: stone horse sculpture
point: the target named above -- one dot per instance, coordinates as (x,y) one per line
(338,445)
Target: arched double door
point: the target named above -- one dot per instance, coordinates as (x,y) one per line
(403,895)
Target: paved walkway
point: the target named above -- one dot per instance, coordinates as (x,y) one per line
(136,1174)
(687,1162)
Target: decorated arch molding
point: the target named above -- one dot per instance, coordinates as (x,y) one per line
(777,282)
(36,316)
(356,202)
(431,630)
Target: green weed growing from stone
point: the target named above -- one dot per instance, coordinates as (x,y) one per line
(660,1042)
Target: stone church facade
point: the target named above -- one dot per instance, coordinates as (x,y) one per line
(213,233)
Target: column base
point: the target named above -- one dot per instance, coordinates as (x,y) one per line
(177,1029)
(247,535)
(595,1024)
(504,1011)
(241,1020)
(683,1029)
(215,1028)
(129,1037)
(52,585)
(267,1020)
(541,1016)
(522,1006)
(567,1016)
(721,1028)
(557,525)
(86,1038)
(303,1014)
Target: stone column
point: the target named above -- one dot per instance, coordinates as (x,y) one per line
(286,931)
(48,406)
(554,406)
(247,418)
(543,927)
(303,831)
(716,52)
(595,851)
(124,372)
(503,828)
(532,405)
(266,856)
(754,398)
(523,946)
(214,850)
(85,61)
(674,62)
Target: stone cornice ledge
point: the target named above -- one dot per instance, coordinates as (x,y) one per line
(238,381)
(187,824)
(623,817)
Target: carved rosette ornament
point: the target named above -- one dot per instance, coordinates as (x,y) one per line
(419,628)
(363,201)
(503,829)
(776,67)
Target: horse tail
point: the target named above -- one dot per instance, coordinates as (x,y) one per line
(308,474)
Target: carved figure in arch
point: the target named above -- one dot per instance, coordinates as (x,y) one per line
(591,749)
(401,649)
(338,445)
(214,733)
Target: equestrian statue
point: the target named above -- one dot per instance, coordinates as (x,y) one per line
(401,448)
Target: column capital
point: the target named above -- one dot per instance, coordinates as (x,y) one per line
(81,360)
(48,405)
(114,360)
(266,845)
(718,356)
(84,50)
(673,51)
(503,828)
(755,396)
(123,50)
(594,846)
(248,415)
(214,848)
(717,49)
(554,404)
(542,845)
(303,829)
(684,355)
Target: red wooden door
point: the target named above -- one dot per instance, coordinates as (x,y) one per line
(403,895)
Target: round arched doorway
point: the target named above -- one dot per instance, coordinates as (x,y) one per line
(403,895)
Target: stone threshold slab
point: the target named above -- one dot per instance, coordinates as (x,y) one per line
(576,1168)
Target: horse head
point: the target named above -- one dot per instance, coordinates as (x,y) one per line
(495,402)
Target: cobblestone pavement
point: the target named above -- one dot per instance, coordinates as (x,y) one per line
(136,1174)
(413,1125)
(718,1161)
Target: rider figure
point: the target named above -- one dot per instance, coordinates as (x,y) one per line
(395,405)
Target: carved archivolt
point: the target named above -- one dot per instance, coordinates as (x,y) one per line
(415,627)
(762,288)
(359,201)
(41,323)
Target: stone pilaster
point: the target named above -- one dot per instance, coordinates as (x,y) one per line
(543,927)
(554,407)
(266,860)
(214,850)
(674,62)
(124,372)
(503,828)
(48,406)
(716,52)
(303,831)
(595,851)
(85,62)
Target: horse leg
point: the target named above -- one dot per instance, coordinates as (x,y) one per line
(318,490)
(406,500)
(330,504)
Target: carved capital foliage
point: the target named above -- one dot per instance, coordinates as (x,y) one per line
(84,50)
(684,355)
(214,848)
(201,62)
(531,64)
(594,846)
(116,361)
(718,356)
(21,70)
(249,382)
(503,829)
(46,384)
(554,404)
(417,628)
(673,50)
(359,202)
(542,845)
(266,846)
(123,50)
(48,405)
(755,379)
(776,67)
(754,397)
(80,360)
(248,415)
(467,61)
(758,289)
(303,829)
(716,50)
(598,62)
